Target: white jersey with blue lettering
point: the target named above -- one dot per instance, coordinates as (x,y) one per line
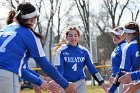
(71,60)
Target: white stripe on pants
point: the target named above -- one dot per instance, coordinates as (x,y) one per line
(9,82)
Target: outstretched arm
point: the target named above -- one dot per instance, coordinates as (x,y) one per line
(50,70)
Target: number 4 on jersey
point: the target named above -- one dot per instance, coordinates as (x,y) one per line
(74,67)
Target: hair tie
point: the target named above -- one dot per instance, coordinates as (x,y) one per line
(18,12)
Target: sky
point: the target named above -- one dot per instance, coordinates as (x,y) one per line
(94,4)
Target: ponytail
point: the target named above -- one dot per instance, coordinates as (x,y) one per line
(58,46)
(10,17)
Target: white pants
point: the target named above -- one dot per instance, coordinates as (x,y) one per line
(80,86)
(9,82)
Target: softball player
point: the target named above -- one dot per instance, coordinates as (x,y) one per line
(37,78)
(116,55)
(17,41)
(130,57)
(71,59)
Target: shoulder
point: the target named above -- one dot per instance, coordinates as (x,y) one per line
(130,46)
(83,48)
(123,45)
(63,47)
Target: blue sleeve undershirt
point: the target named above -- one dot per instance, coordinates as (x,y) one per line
(31,77)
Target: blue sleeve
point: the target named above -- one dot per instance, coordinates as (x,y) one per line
(89,63)
(50,70)
(116,58)
(26,66)
(135,75)
(115,84)
(31,77)
(33,72)
(59,62)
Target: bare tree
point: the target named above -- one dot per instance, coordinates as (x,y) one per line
(61,18)
(134,10)
(83,8)
(111,6)
(109,18)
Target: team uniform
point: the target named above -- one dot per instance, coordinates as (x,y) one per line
(17,44)
(130,60)
(70,62)
(116,58)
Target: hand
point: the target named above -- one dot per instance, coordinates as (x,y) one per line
(44,85)
(54,87)
(129,88)
(126,78)
(71,88)
(111,80)
(36,88)
(42,77)
(105,86)
(48,79)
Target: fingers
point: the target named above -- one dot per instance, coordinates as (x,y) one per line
(124,72)
(125,87)
(125,78)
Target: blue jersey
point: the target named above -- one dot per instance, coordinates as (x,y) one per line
(17,44)
(130,57)
(129,63)
(116,57)
(71,60)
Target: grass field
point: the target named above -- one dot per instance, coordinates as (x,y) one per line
(95,89)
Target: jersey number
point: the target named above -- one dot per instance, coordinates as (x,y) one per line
(74,67)
(6,39)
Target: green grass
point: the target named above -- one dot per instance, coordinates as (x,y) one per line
(94,89)
(90,89)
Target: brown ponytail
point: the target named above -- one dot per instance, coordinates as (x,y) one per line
(58,46)
(10,17)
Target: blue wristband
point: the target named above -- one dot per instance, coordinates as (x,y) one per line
(113,88)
